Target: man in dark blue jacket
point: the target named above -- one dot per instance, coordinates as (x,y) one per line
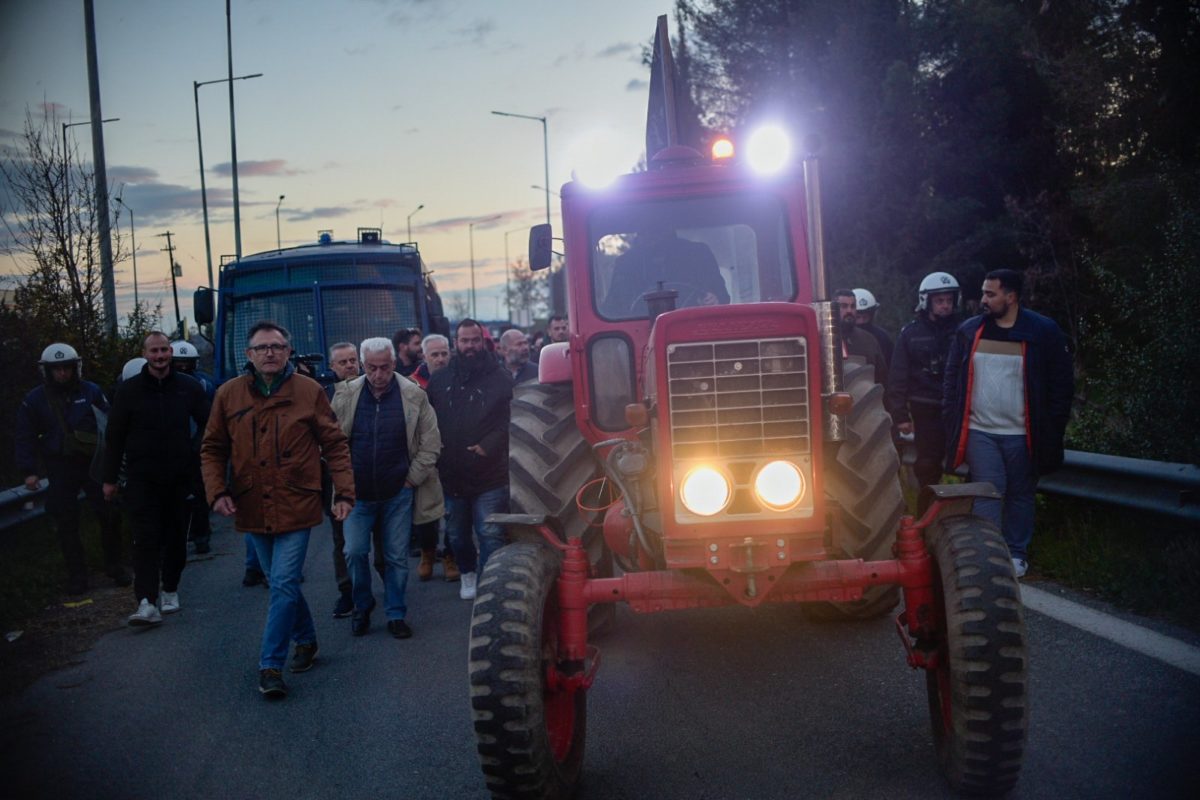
(56,425)
(471,398)
(1006,402)
(157,420)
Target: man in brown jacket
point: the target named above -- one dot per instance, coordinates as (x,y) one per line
(268,430)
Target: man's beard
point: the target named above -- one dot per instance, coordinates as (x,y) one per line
(848,325)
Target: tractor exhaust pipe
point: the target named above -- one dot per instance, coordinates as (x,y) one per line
(827,323)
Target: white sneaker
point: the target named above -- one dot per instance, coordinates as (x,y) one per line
(147,614)
(466,589)
(1020,567)
(168,602)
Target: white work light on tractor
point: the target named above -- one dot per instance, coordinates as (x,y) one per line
(705,491)
(768,149)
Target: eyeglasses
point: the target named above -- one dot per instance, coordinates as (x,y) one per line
(268,348)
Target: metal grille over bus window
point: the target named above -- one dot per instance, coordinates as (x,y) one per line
(739,399)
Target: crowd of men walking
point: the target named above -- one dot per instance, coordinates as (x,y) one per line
(410,445)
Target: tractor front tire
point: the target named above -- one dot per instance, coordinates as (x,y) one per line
(863,481)
(976,689)
(530,738)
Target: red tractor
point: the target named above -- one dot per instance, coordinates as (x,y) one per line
(700,441)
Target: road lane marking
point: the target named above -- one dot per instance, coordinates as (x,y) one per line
(1147,642)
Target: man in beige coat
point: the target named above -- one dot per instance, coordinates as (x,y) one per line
(394,447)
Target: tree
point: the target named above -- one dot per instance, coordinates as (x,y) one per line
(49,213)
(527,293)
(460,306)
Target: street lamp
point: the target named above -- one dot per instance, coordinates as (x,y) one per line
(410,216)
(278,241)
(544,189)
(67,172)
(133,247)
(471,237)
(556,288)
(200,149)
(507,269)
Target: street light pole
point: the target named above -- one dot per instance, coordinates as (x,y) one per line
(200,149)
(133,250)
(556,287)
(67,175)
(471,237)
(237,207)
(543,188)
(278,240)
(410,216)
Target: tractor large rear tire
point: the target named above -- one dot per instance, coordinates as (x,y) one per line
(549,461)
(863,481)
(976,690)
(530,738)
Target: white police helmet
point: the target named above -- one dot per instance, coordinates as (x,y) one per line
(132,367)
(864,300)
(60,354)
(183,349)
(936,283)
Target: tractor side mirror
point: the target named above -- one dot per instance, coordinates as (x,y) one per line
(541,244)
(202,306)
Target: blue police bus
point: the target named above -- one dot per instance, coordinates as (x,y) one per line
(323,293)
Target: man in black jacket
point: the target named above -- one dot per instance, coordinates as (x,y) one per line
(914,392)
(150,428)
(471,398)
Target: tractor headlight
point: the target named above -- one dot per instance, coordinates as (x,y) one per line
(779,485)
(768,150)
(705,491)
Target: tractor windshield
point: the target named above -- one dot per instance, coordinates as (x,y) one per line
(709,250)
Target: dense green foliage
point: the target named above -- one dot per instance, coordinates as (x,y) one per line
(1051,137)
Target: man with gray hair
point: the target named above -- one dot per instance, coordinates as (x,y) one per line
(394,447)
(514,349)
(436,349)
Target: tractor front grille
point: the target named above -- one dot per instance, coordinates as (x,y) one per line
(745,398)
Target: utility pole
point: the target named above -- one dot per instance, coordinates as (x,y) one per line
(108,284)
(237,208)
(170,249)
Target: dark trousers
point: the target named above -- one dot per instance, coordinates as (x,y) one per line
(340,570)
(158,516)
(426,535)
(931,444)
(199,530)
(67,477)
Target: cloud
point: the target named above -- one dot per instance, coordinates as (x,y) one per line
(55,110)
(5,133)
(503,218)
(135,175)
(477,31)
(256,169)
(320,212)
(620,49)
(636,85)
(356,51)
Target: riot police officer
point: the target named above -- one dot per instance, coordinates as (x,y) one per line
(57,426)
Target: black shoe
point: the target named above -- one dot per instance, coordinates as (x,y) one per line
(201,548)
(270,683)
(119,576)
(344,606)
(360,621)
(303,658)
(399,629)
(253,578)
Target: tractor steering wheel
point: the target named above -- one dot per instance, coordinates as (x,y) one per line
(689,294)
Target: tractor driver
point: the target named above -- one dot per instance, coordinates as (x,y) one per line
(658,255)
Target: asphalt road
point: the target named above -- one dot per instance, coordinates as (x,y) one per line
(716,704)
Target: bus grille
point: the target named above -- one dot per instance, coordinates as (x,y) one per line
(742,398)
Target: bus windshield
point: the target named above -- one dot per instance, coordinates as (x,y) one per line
(709,250)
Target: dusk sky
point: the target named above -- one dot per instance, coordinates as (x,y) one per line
(366,109)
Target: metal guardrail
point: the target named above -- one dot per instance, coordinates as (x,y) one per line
(1157,487)
(18,504)
(1154,486)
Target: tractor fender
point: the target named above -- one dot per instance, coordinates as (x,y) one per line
(554,363)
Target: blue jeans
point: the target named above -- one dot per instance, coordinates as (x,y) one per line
(395,516)
(252,555)
(467,512)
(1003,461)
(282,557)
